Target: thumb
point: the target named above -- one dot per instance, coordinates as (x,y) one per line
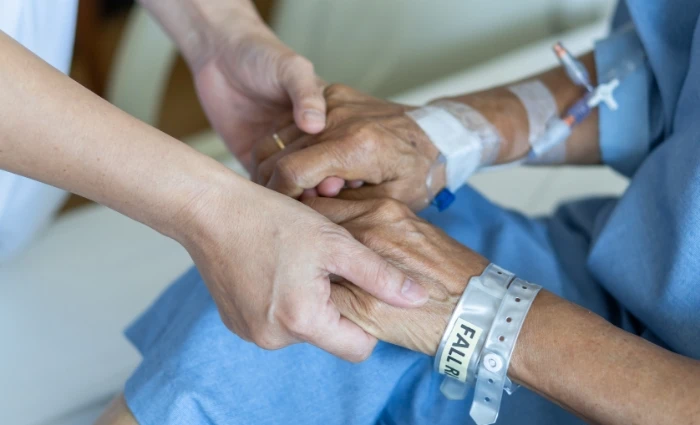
(306,93)
(366,269)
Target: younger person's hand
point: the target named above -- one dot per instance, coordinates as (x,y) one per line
(267,261)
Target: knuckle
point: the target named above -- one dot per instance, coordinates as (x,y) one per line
(267,340)
(286,169)
(338,112)
(371,238)
(335,90)
(363,142)
(392,209)
(299,323)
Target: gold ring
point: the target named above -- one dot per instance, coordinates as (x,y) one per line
(279,141)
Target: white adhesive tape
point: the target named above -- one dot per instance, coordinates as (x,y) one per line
(488,136)
(462,135)
(539,104)
(541,108)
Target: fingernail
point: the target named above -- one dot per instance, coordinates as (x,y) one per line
(355,184)
(313,115)
(413,292)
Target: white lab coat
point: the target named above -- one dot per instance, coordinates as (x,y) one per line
(47,28)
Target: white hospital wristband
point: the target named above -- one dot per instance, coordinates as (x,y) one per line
(480,338)
(463,136)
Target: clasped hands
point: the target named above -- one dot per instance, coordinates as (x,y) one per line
(367,172)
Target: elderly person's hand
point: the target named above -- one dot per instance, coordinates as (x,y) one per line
(367,140)
(423,252)
(373,142)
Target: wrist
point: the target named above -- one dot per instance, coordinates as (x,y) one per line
(505,112)
(411,132)
(480,339)
(212,195)
(198,27)
(223,24)
(471,132)
(443,307)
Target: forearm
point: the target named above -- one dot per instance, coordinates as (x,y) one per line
(54,130)
(564,352)
(602,373)
(194,24)
(585,364)
(506,112)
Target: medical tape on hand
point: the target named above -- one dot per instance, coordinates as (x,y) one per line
(462,135)
(541,108)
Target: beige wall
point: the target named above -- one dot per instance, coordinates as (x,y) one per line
(387,46)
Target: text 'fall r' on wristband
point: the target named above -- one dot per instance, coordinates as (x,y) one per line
(480,338)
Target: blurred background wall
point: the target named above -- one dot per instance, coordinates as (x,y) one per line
(388,46)
(382,47)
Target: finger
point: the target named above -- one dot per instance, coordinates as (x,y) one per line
(366,192)
(300,81)
(369,271)
(341,337)
(268,146)
(310,166)
(267,167)
(308,194)
(343,295)
(339,211)
(331,186)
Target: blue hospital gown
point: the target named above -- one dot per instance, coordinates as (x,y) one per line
(633,260)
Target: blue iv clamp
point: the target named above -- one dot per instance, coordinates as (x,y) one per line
(443,200)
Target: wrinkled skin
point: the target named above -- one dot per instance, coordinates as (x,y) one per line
(366,140)
(423,252)
(372,149)
(271,282)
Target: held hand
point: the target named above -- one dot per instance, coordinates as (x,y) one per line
(423,252)
(367,140)
(251,81)
(269,274)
